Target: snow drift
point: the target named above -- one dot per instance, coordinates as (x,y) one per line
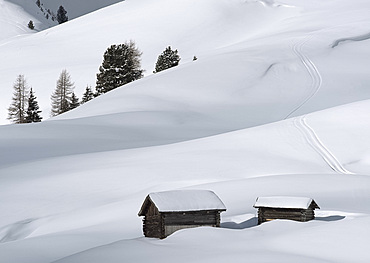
(241,121)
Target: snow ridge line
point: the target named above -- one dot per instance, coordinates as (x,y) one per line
(311,69)
(357,38)
(314,141)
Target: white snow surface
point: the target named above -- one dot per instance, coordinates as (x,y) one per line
(283,202)
(252,55)
(186,200)
(277,104)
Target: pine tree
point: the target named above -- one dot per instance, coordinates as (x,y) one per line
(38,3)
(167,59)
(16,110)
(31,25)
(121,65)
(88,95)
(61,97)
(33,112)
(74,102)
(62,15)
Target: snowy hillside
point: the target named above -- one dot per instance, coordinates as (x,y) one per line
(15,14)
(76,205)
(76,8)
(14,19)
(253,116)
(247,50)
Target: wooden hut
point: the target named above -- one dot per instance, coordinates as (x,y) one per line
(167,212)
(285,207)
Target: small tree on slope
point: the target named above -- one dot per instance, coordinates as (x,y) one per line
(31,25)
(33,112)
(74,102)
(121,65)
(61,97)
(62,15)
(16,110)
(88,95)
(168,59)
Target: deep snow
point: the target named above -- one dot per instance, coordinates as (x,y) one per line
(186,200)
(251,56)
(283,202)
(230,122)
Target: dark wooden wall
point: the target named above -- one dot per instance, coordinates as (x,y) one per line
(153,225)
(209,218)
(158,225)
(302,215)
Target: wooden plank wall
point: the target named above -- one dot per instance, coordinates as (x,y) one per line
(191,218)
(302,215)
(153,226)
(160,225)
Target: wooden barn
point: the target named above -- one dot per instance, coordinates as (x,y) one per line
(285,207)
(167,212)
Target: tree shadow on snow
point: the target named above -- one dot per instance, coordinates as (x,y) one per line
(329,218)
(243,225)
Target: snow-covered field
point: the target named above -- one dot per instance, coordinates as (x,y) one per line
(254,116)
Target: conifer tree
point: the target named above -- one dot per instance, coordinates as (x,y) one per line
(33,112)
(88,95)
(61,97)
(121,65)
(74,102)
(31,25)
(62,15)
(167,59)
(16,110)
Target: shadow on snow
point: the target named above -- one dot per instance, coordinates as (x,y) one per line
(252,222)
(243,225)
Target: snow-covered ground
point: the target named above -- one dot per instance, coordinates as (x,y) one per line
(15,14)
(14,20)
(253,116)
(252,56)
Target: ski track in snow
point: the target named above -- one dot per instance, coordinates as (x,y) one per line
(311,69)
(314,141)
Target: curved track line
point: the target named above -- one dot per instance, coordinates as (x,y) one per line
(314,141)
(316,79)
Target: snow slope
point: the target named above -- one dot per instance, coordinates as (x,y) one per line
(86,198)
(71,187)
(15,14)
(14,20)
(76,9)
(247,49)
(74,206)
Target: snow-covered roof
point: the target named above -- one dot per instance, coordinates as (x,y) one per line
(184,200)
(284,202)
